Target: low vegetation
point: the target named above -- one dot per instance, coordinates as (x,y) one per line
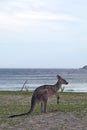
(12,102)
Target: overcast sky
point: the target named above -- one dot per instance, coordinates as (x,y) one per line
(43,33)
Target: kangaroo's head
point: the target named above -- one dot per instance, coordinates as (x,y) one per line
(61,80)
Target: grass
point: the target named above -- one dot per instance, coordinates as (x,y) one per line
(12,102)
(69,102)
(15,93)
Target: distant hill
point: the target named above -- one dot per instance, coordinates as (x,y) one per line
(84,67)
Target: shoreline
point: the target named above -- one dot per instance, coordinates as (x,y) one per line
(14,79)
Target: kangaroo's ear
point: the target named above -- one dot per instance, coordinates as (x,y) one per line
(58,77)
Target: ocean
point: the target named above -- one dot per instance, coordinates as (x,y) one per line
(13,79)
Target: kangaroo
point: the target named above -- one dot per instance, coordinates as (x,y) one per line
(41,95)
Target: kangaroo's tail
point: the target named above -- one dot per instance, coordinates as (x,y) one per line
(19,115)
(33,101)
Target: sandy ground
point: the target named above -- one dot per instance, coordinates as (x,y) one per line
(49,121)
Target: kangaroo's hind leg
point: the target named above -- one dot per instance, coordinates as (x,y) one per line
(45,99)
(57,96)
(42,107)
(45,106)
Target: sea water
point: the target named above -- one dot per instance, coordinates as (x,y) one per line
(13,79)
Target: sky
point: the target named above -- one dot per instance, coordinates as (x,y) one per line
(43,33)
